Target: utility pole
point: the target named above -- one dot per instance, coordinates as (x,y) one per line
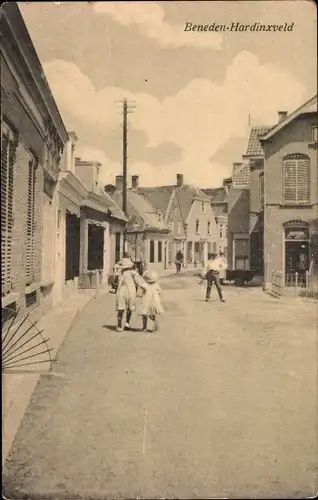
(126,108)
(125,157)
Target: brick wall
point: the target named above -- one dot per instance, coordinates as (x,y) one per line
(294,138)
(238,217)
(28,138)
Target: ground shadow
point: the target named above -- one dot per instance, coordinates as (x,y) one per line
(113,329)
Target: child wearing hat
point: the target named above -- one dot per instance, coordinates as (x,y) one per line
(128,280)
(151,305)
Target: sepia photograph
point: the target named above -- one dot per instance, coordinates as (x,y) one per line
(159,249)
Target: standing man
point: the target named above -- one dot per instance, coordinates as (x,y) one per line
(212,275)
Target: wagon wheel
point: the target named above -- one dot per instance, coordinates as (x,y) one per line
(22,343)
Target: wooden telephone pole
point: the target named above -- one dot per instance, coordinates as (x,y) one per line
(126,108)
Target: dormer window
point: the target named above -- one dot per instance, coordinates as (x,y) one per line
(203,207)
(197,226)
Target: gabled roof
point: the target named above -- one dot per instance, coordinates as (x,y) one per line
(114,208)
(217,195)
(308,107)
(158,197)
(140,205)
(254,147)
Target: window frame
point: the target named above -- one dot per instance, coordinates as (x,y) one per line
(295,157)
(197,226)
(314,133)
(160,253)
(202,207)
(209,227)
(152,252)
(7,206)
(261,188)
(30,221)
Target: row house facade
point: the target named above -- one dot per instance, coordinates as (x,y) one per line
(58,227)
(291,193)
(219,203)
(33,137)
(102,227)
(168,219)
(187,212)
(238,216)
(146,233)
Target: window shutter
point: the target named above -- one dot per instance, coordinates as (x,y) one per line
(296,179)
(29,265)
(302,180)
(290,180)
(7,171)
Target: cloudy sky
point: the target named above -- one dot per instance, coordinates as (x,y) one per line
(193,92)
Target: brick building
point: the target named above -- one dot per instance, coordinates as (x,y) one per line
(32,140)
(101,227)
(255,157)
(219,203)
(291,192)
(146,232)
(190,217)
(238,217)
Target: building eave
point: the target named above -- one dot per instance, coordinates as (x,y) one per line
(18,37)
(289,118)
(69,184)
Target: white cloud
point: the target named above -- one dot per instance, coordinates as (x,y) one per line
(201,118)
(149,18)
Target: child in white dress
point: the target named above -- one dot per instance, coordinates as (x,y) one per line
(128,281)
(151,305)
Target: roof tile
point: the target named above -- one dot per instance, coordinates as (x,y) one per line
(254,147)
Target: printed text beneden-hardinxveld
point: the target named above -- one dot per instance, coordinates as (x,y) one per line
(238,27)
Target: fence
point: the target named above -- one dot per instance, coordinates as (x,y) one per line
(304,285)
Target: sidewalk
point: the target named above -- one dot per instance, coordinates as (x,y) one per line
(18,387)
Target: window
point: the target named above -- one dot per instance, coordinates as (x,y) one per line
(214,247)
(203,207)
(178,228)
(261,189)
(159,251)
(160,218)
(197,226)
(314,133)
(221,231)
(152,252)
(7,179)
(296,178)
(30,228)
(209,227)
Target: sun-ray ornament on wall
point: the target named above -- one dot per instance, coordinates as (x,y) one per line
(23,345)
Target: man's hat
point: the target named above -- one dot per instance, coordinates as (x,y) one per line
(126,263)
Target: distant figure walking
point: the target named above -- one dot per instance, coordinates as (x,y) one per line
(212,274)
(128,281)
(224,268)
(151,305)
(179,261)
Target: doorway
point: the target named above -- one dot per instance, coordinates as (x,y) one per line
(297,254)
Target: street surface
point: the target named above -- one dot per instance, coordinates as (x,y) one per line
(221,402)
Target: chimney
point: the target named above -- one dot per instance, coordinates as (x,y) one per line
(282,115)
(119,182)
(135,182)
(179,180)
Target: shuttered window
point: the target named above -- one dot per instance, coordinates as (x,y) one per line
(7,178)
(159,251)
(296,178)
(152,252)
(30,229)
